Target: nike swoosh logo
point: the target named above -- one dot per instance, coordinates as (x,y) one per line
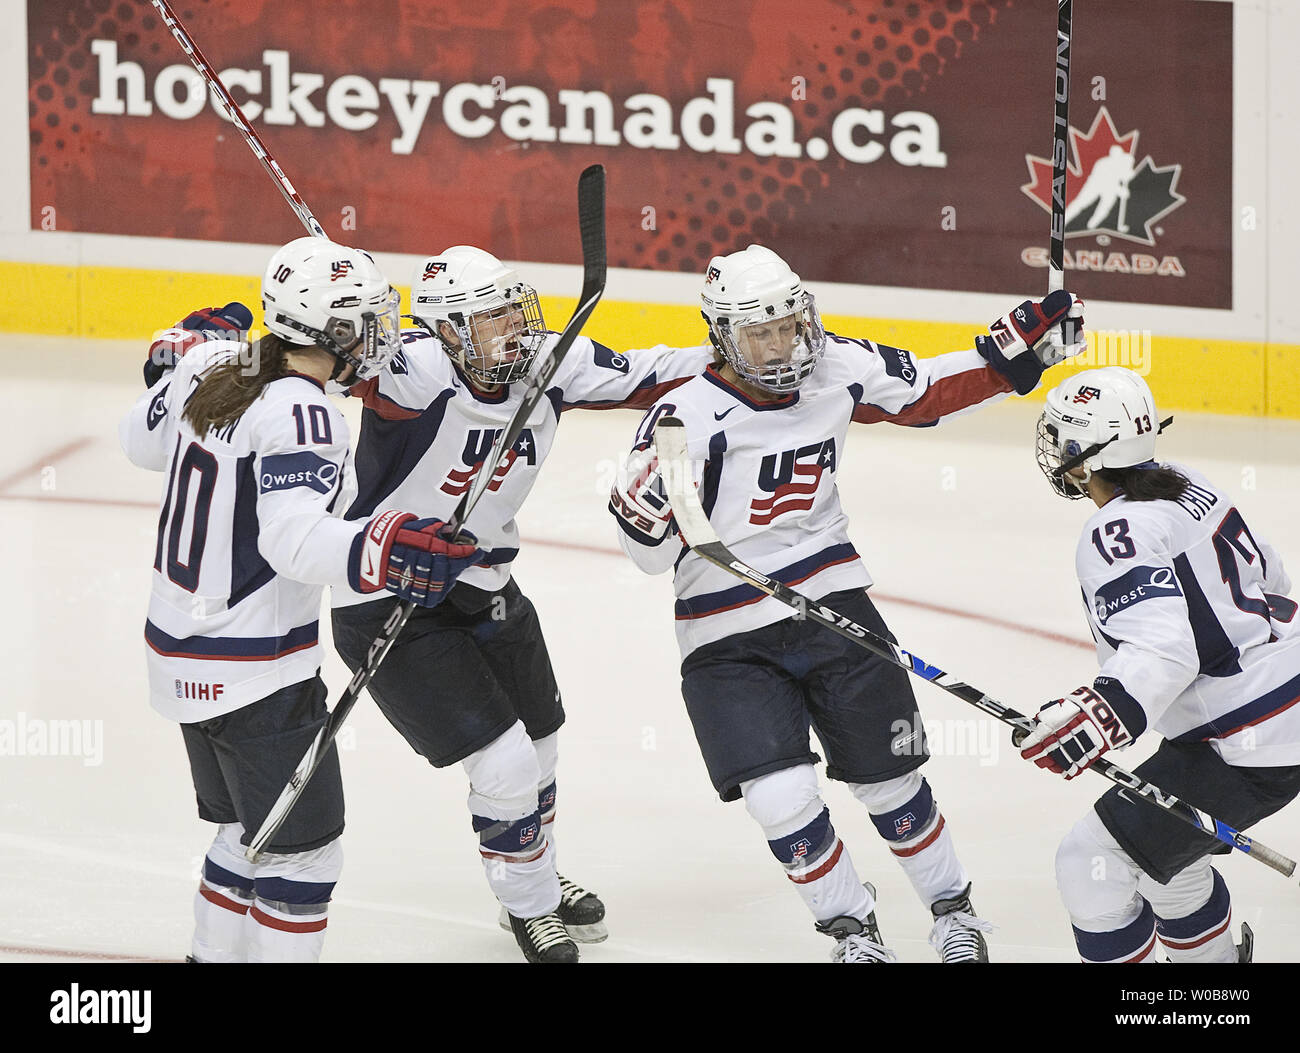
(719,416)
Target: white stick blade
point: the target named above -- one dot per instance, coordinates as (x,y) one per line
(679,482)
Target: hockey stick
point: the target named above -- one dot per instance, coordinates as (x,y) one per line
(698,533)
(591,216)
(209,74)
(591,221)
(1068,333)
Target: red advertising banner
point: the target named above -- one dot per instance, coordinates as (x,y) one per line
(872,141)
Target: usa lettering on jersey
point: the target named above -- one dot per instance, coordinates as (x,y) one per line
(478,444)
(791,479)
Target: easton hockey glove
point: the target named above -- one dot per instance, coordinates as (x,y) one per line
(1073,732)
(410,557)
(638,502)
(207,323)
(1020,344)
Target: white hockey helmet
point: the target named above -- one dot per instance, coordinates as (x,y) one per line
(318,292)
(1100,418)
(496,318)
(761,319)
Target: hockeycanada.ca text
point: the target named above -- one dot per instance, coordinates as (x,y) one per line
(276,94)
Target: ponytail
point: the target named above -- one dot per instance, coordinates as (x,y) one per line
(1155,482)
(229,388)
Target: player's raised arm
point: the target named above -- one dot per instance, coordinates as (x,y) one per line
(148,431)
(902,389)
(597,377)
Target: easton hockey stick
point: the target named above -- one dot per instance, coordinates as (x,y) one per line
(591,218)
(209,74)
(698,533)
(1060,145)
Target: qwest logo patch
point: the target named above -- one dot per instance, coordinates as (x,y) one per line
(1140,583)
(792,479)
(609,359)
(898,363)
(478,444)
(158,409)
(1110,194)
(284,471)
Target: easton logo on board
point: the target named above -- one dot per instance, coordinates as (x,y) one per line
(1113,192)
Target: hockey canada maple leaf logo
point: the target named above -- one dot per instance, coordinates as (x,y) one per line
(1109,191)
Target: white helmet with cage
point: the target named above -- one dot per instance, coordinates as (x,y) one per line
(487,319)
(1100,418)
(761,319)
(318,292)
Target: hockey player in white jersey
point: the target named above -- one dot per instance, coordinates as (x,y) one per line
(471,682)
(768,422)
(258,475)
(1198,642)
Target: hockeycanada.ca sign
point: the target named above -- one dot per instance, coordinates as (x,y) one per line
(278,94)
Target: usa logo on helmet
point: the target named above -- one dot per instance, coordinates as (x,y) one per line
(434,268)
(340,270)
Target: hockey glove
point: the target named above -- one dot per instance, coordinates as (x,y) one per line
(1073,732)
(410,557)
(207,323)
(638,502)
(1023,343)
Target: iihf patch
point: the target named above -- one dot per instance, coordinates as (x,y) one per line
(284,471)
(903,824)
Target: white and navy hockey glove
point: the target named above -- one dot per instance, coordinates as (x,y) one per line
(1026,341)
(638,502)
(231,322)
(1073,732)
(410,557)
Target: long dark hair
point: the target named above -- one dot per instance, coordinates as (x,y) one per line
(1153,483)
(227,390)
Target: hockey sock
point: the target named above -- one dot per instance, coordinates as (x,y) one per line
(1125,944)
(224,895)
(1192,933)
(1098,881)
(286,922)
(547,760)
(797,824)
(503,801)
(905,814)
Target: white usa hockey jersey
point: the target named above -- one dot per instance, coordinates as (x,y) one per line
(1194,632)
(768,476)
(425,433)
(247,537)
